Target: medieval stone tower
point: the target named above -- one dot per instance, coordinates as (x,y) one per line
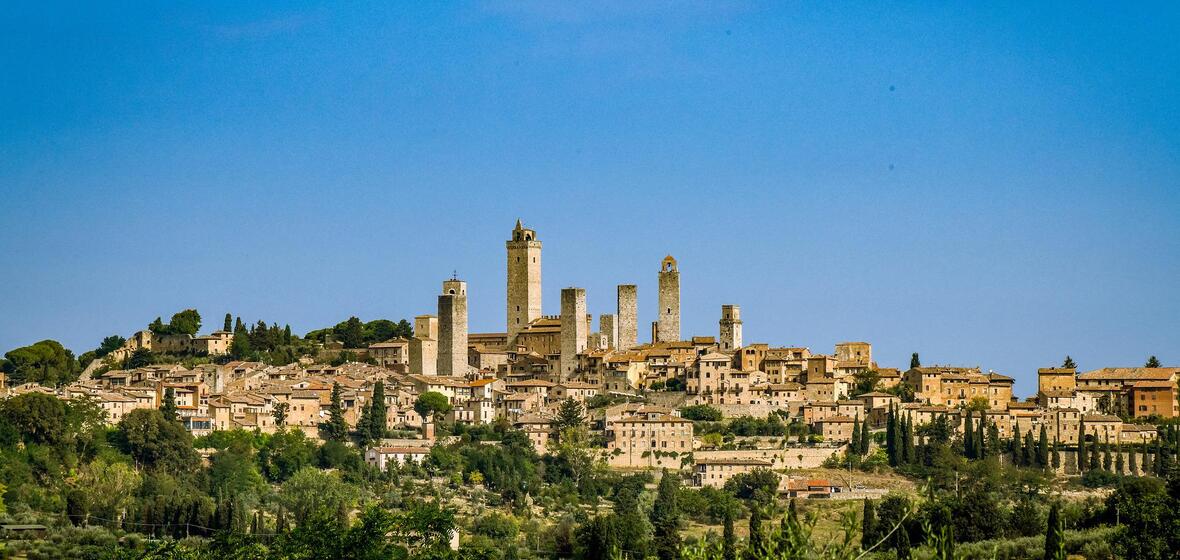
(628,317)
(574,329)
(608,327)
(452,328)
(424,345)
(524,279)
(731,327)
(669,316)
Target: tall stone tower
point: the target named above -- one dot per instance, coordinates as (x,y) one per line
(628,310)
(452,328)
(731,327)
(669,328)
(424,346)
(609,328)
(574,329)
(524,279)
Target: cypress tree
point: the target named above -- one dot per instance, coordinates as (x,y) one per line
(854,443)
(1132,461)
(891,436)
(754,546)
(1118,459)
(1017,448)
(907,440)
(1029,450)
(665,517)
(1093,456)
(1043,448)
(168,407)
(1161,459)
(864,437)
(1054,535)
(903,544)
(229,322)
(1056,454)
(914,361)
(869,526)
(336,428)
(1148,465)
(993,440)
(728,539)
(377,413)
(969,436)
(1082,463)
(1107,463)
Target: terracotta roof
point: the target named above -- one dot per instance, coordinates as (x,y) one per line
(1140,373)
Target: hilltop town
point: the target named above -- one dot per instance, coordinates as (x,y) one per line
(710,409)
(638,391)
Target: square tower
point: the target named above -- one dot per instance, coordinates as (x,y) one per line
(424,346)
(669,315)
(731,327)
(452,328)
(628,310)
(574,329)
(524,279)
(609,329)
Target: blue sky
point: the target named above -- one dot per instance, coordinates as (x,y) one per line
(987,185)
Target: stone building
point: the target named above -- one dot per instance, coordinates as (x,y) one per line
(731,327)
(668,326)
(452,328)
(648,440)
(715,472)
(574,329)
(628,312)
(524,280)
(423,350)
(608,327)
(1056,379)
(392,352)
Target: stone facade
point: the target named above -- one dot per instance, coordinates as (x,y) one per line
(524,279)
(628,309)
(669,299)
(574,329)
(731,328)
(424,346)
(452,328)
(608,327)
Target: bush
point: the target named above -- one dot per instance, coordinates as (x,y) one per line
(1099,478)
(700,412)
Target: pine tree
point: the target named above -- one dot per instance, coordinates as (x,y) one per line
(869,526)
(1152,362)
(1043,448)
(1069,363)
(168,407)
(665,517)
(914,361)
(1054,535)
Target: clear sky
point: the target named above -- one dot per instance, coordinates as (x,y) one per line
(987,185)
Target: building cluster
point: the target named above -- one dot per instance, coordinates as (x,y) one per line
(523,374)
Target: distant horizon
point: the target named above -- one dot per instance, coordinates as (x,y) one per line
(986,186)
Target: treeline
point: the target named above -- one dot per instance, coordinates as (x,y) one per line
(352,333)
